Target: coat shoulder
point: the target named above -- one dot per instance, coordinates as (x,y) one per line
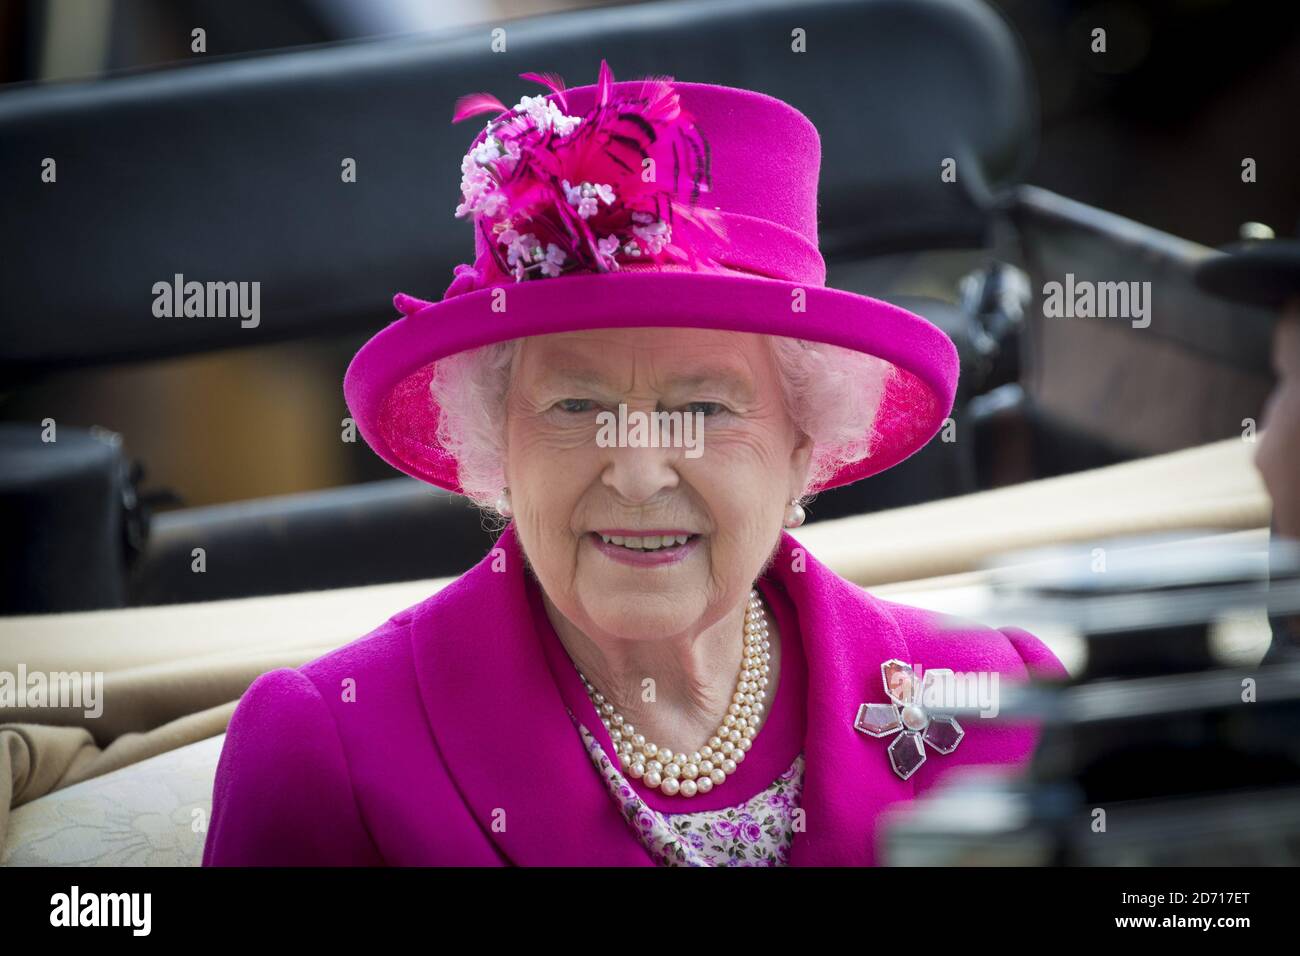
(281,781)
(384,652)
(315,749)
(943,640)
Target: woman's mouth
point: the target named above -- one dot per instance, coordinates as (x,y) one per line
(645,549)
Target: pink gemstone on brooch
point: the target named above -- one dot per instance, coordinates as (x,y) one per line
(900,682)
(944,734)
(906,755)
(905,715)
(878,720)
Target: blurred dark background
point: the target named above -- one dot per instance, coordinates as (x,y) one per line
(1185,82)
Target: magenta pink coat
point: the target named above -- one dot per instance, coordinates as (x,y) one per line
(443,737)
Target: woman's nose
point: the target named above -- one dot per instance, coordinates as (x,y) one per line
(638,473)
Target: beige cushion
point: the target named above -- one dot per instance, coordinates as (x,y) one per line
(152,813)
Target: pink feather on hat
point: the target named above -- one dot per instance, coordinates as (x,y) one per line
(555,193)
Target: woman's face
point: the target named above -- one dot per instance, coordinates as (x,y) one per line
(727,487)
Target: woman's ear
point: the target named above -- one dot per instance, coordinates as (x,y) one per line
(800,464)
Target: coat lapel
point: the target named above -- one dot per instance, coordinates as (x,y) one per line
(503,729)
(847,777)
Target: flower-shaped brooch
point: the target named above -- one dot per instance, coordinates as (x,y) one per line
(906,716)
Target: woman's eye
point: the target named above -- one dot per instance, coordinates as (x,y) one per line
(574,405)
(708,408)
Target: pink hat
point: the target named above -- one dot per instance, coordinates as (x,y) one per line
(569,229)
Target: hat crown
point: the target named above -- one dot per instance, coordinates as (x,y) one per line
(765,155)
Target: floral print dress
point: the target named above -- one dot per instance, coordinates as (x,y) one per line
(755,832)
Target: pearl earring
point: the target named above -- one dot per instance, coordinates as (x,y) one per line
(794,515)
(503,504)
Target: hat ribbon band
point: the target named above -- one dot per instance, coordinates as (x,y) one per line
(748,245)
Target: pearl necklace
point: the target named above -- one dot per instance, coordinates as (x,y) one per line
(701,770)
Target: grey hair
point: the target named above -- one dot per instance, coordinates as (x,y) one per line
(832,394)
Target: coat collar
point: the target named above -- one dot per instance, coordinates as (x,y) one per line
(505,734)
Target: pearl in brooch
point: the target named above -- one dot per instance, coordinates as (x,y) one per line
(700,770)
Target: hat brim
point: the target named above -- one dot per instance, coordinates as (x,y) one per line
(1264,272)
(387,382)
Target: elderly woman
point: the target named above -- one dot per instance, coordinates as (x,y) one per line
(645,374)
